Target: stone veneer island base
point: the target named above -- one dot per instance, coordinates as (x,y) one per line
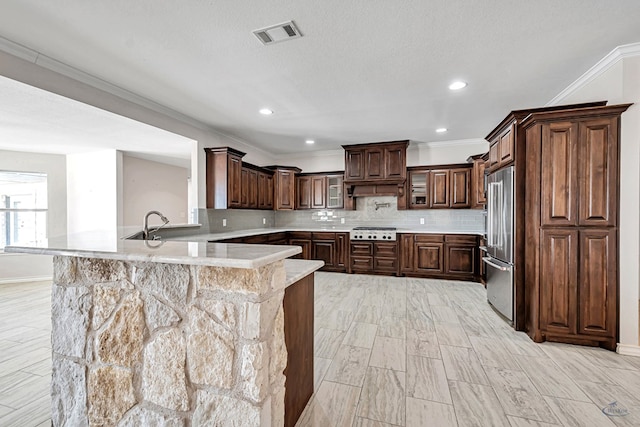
(149,343)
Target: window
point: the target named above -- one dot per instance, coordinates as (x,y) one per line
(23,208)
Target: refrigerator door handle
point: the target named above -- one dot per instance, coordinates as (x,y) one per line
(489,260)
(490,214)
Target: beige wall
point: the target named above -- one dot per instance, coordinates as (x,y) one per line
(150,186)
(621,84)
(22,266)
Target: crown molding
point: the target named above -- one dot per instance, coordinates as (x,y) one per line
(611,59)
(53,65)
(317,153)
(455,142)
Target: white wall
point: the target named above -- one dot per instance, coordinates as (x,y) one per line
(65,81)
(149,186)
(93,199)
(418,154)
(15,267)
(621,84)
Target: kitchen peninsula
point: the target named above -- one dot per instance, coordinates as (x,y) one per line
(149,333)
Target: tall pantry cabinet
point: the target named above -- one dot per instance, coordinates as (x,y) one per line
(571,227)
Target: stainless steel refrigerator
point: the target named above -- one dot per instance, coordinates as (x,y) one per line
(499,258)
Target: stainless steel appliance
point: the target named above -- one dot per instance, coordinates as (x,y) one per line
(373,233)
(500,236)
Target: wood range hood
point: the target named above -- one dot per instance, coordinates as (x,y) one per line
(375,169)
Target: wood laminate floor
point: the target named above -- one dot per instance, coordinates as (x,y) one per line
(389,351)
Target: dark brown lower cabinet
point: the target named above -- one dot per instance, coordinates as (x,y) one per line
(298,337)
(323,247)
(302,239)
(454,256)
(578,289)
(374,257)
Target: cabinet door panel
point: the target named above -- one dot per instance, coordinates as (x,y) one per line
(354,164)
(598,282)
(406,253)
(318,192)
(342,250)
(374,163)
(324,250)
(244,186)
(506,145)
(460,187)
(303,192)
(461,260)
(477,183)
(419,187)
(306,248)
(395,163)
(494,155)
(253,189)
(559,174)
(439,188)
(234,180)
(362,248)
(262,190)
(429,257)
(598,172)
(285,190)
(270,190)
(559,280)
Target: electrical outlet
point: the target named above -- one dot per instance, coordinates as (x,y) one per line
(421,221)
(264,221)
(224,222)
(341,220)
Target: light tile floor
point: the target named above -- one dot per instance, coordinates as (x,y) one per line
(25,354)
(414,352)
(389,351)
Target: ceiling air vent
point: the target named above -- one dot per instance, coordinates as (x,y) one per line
(278,33)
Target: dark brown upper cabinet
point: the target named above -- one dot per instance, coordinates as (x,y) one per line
(284,187)
(224,178)
(319,191)
(441,186)
(376,163)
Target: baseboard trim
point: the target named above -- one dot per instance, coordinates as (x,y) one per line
(25,279)
(629,350)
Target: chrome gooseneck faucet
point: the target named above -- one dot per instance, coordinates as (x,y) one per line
(145,224)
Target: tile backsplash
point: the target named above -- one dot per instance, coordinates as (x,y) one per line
(366,214)
(370,211)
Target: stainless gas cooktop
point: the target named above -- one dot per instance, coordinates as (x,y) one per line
(373,233)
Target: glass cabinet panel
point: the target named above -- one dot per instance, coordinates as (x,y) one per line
(419,195)
(334,192)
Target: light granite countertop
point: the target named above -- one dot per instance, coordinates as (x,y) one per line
(206,237)
(106,245)
(300,268)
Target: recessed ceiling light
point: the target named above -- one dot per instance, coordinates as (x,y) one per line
(457,85)
(266,111)
(310,141)
(441,130)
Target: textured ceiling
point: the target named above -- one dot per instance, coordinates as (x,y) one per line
(364,70)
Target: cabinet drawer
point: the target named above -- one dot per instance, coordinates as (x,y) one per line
(362,249)
(300,235)
(323,236)
(460,238)
(389,250)
(429,238)
(385,264)
(362,263)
